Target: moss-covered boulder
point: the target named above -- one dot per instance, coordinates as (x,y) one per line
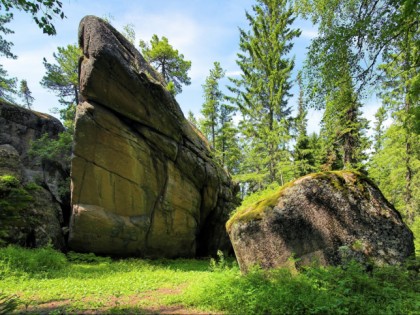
(28,215)
(324,218)
(31,207)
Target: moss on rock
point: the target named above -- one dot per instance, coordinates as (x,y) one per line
(314,218)
(343,180)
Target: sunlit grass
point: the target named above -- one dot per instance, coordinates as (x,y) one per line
(45,281)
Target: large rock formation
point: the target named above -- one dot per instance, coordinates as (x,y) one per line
(326,218)
(144,182)
(31,205)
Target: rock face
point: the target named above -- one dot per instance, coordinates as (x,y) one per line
(38,200)
(143,179)
(325,218)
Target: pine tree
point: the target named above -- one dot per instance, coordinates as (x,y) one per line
(26,94)
(263,89)
(168,61)
(62,78)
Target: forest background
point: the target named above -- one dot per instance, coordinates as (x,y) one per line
(253,102)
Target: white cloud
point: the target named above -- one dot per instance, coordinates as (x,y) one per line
(233,73)
(29,66)
(309,33)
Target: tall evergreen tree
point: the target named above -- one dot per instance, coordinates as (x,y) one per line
(212,101)
(217,124)
(343,128)
(26,94)
(264,85)
(303,154)
(227,143)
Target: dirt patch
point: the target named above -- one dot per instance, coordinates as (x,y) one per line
(148,302)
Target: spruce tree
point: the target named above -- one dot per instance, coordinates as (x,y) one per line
(262,91)
(303,154)
(212,99)
(217,123)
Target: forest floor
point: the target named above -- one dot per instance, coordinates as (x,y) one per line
(44,281)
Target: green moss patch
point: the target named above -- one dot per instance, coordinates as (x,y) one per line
(267,199)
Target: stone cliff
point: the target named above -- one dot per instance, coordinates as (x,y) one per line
(31,203)
(325,218)
(144,182)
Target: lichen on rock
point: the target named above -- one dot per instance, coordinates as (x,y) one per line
(325,218)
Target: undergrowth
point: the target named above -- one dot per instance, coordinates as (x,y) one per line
(34,279)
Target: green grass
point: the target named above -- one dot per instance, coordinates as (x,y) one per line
(46,281)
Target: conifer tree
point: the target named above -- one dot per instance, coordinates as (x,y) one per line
(303,154)
(62,78)
(168,61)
(400,94)
(263,88)
(26,94)
(212,101)
(217,124)
(380,117)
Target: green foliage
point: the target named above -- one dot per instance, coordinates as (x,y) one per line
(262,91)
(13,200)
(8,303)
(388,168)
(42,276)
(7,85)
(62,78)
(53,149)
(90,258)
(129,32)
(43,11)
(18,261)
(217,124)
(26,94)
(212,99)
(368,29)
(304,154)
(168,61)
(332,290)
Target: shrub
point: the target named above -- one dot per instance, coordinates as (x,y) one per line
(332,290)
(86,258)
(16,260)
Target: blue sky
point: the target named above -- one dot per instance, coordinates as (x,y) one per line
(204,31)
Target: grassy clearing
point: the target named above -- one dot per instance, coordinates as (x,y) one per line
(45,281)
